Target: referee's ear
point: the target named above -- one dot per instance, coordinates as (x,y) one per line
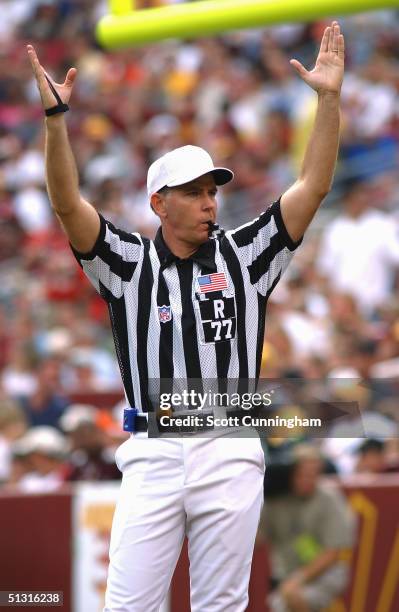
(157,204)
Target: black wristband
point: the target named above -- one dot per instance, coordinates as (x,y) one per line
(61,107)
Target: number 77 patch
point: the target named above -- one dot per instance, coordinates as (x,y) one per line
(218,317)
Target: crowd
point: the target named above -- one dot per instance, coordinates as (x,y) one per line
(310,531)
(334,317)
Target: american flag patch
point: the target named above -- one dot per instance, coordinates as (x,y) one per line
(212,282)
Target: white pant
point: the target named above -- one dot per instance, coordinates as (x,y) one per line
(210,489)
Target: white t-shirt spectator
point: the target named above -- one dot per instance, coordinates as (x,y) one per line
(358,256)
(307,335)
(32,209)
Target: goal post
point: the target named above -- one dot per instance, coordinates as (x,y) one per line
(126,27)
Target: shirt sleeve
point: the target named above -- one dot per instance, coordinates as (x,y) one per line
(265,248)
(111,263)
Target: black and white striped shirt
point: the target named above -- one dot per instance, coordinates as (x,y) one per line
(197,318)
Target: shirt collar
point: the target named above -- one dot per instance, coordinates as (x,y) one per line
(204,256)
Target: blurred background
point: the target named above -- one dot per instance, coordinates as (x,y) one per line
(334,316)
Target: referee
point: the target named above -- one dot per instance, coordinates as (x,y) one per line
(189,305)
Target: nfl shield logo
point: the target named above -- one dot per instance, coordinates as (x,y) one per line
(164,313)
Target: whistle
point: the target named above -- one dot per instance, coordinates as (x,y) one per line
(214,229)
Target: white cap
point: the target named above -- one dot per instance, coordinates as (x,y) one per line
(77,415)
(181,166)
(45,440)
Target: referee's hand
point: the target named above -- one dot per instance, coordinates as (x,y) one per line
(64,90)
(327,75)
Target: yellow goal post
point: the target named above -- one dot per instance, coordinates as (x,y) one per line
(126,27)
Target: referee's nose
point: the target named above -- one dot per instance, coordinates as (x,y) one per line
(208,201)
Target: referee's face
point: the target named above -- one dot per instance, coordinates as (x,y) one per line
(186,210)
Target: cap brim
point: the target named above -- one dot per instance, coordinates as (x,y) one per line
(221,175)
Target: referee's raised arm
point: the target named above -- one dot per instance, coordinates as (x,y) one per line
(301,201)
(78,218)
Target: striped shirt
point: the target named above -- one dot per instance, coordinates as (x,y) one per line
(196,318)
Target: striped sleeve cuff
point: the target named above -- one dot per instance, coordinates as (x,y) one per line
(286,238)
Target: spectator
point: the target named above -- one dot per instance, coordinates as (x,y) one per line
(94,368)
(376,456)
(90,457)
(45,405)
(18,378)
(360,249)
(12,426)
(309,530)
(45,450)
(370,457)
